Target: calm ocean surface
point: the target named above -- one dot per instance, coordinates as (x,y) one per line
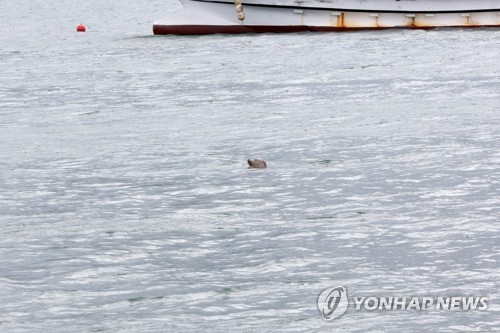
(126,204)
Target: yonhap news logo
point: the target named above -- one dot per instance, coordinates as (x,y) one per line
(333,303)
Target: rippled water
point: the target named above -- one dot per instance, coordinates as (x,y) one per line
(126,204)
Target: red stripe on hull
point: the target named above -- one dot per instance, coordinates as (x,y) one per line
(242,29)
(222,29)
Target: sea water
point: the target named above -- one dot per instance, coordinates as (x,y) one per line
(126,204)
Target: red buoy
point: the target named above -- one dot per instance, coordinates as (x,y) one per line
(81,28)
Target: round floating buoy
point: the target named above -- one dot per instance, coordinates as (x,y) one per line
(241,16)
(81,28)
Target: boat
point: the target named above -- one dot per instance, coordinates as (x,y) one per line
(260,16)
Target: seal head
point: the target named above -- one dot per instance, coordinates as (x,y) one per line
(257,164)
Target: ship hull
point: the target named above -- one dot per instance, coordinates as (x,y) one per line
(260,16)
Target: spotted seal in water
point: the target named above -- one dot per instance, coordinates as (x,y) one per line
(257,164)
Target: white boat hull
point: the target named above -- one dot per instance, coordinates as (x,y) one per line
(220,16)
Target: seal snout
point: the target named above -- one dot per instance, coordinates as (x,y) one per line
(257,164)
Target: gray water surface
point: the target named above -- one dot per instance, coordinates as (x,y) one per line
(126,204)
